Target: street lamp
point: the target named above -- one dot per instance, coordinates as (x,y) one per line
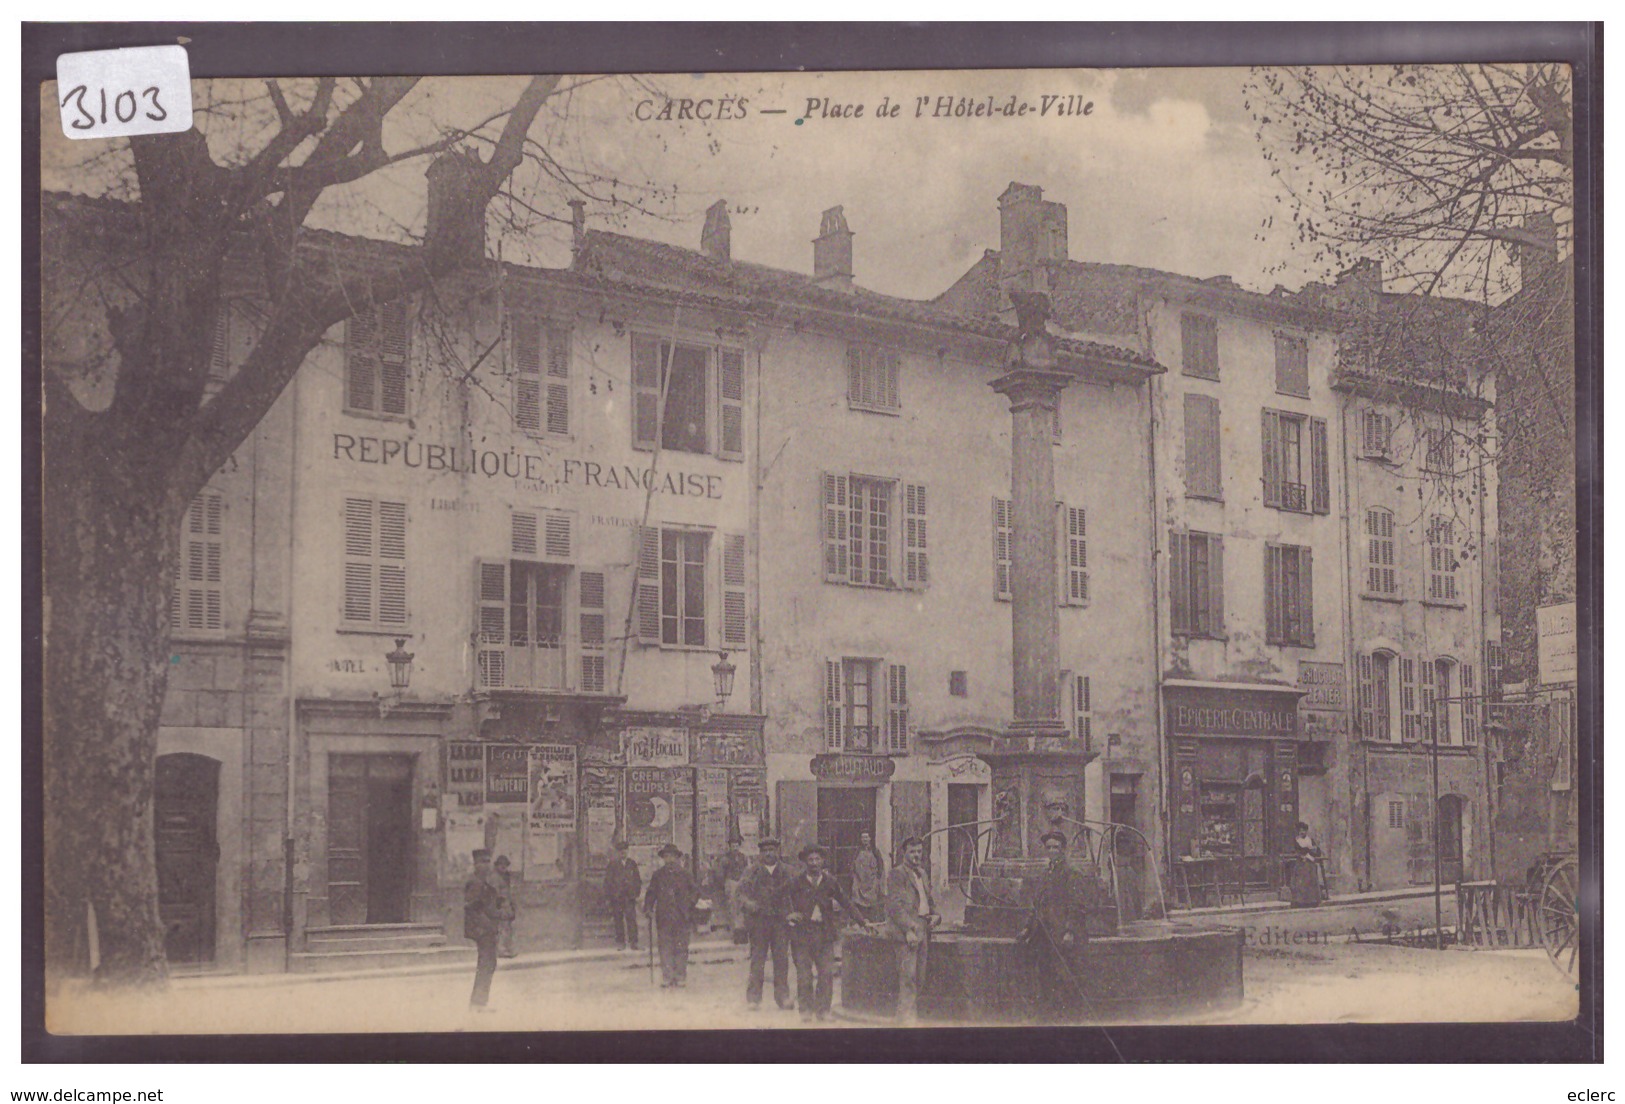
(400,665)
(722,675)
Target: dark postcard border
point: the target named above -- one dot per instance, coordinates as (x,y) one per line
(259,49)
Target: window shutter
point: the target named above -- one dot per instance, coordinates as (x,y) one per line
(648,584)
(1179,582)
(360,552)
(395,334)
(491,617)
(195,601)
(1272,458)
(897,709)
(1424,707)
(1306,597)
(525,340)
(558,536)
(590,603)
(1215,585)
(392,563)
(646,356)
(1320,478)
(220,345)
(523,529)
(1366,696)
(731,395)
(916,557)
(558,381)
(1469,704)
(1202,446)
(361,362)
(890,369)
(735,609)
(837,543)
(1075,535)
(1274,606)
(1407,700)
(1077,687)
(854,375)
(834,707)
(1002,537)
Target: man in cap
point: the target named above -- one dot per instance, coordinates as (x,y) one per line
(1055,927)
(670,900)
(761,896)
(482,919)
(622,882)
(811,901)
(910,915)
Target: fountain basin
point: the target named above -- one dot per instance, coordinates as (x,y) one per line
(1151,970)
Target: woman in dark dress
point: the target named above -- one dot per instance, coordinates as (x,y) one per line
(1304,878)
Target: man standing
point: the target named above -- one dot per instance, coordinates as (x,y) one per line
(1055,927)
(732,871)
(670,900)
(509,910)
(811,901)
(868,879)
(482,917)
(910,915)
(761,895)
(622,881)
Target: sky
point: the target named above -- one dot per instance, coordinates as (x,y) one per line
(1162,171)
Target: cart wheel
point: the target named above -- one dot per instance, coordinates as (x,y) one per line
(1559,916)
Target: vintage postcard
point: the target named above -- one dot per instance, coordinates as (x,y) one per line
(812,550)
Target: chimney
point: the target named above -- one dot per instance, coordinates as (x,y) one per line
(1032,233)
(456,220)
(716,240)
(1360,284)
(578,227)
(1537,263)
(832,252)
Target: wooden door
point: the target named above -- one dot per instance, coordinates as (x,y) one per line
(369,839)
(185,802)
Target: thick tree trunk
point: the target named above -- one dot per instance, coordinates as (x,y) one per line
(109,527)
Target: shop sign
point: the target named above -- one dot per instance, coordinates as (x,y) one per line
(1327,689)
(853,768)
(1202,711)
(1323,724)
(657,747)
(726,749)
(1556,643)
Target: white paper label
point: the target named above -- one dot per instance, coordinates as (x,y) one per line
(118,93)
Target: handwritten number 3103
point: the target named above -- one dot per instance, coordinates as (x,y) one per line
(125,106)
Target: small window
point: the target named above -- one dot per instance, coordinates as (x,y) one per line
(1441,560)
(1292,365)
(871,378)
(958,684)
(377,348)
(1199,341)
(1080,709)
(374,563)
(1380,577)
(1441,454)
(1289,610)
(1396,814)
(1376,434)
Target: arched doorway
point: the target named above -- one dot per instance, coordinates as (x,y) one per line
(1452,814)
(185,802)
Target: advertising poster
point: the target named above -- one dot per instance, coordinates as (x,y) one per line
(553,787)
(712,784)
(465,833)
(600,798)
(465,775)
(507,774)
(657,747)
(650,800)
(506,836)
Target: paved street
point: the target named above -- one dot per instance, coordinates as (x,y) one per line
(1310,982)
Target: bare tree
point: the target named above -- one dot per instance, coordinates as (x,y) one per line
(1458,181)
(133,428)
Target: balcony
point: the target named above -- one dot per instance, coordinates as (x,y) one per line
(523,665)
(1294,496)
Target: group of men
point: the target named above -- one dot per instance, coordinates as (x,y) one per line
(789,914)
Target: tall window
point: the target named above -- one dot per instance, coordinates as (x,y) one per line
(871,378)
(377,346)
(1441,454)
(541,375)
(1291,365)
(1449,709)
(1378,700)
(682,587)
(195,602)
(1289,608)
(865,705)
(1441,559)
(374,563)
(1202,478)
(1199,341)
(1196,583)
(1074,533)
(874,531)
(1380,578)
(691,378)
(1297,474)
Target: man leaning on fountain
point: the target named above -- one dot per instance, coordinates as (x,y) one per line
(910,915)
